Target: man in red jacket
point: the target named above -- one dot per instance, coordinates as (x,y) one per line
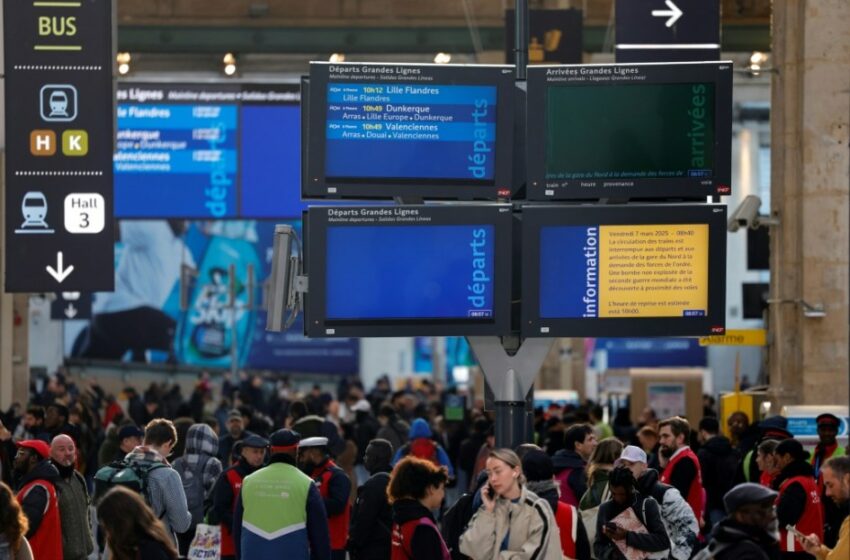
(682,468)
(334,486)
(38,498)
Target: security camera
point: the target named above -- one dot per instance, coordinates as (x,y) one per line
(746,214)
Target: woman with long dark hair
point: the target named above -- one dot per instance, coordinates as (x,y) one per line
(13,527)
(132,530)
(416,488)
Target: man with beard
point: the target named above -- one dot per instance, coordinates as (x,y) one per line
(570,462)
(334,486)
(681,465)
(836,480)
(828,447)
(372,517)
(74,500)
(252,454)
(676,514)
(37,479)
(798,503)
(750,530)
(235,431)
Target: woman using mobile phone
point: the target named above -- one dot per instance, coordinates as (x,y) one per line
(511,518)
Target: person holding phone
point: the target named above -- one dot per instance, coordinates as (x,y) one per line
(645,532)
(512,521)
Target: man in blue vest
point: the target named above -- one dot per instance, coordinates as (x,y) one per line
(279,511)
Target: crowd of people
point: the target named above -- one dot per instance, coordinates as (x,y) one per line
(384,474)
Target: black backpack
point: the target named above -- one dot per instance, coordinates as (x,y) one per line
(454,523)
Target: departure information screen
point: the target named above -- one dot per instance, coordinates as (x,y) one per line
(211,151)
(630,131)
(624,271)
(410,272)
(410,131)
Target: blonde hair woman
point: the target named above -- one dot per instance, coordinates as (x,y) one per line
(511,518)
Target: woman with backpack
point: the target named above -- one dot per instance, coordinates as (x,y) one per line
(416,488)
(598,468)
(132,530)
(628,520)
(199,468)
(512,521)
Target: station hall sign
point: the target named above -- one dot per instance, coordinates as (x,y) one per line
(59,60)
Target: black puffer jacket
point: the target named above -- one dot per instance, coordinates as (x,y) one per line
(718,461)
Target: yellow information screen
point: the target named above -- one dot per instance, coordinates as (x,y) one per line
(625,271)
(653,271)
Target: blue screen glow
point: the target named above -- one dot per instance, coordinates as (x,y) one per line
(410,131)
(410,272)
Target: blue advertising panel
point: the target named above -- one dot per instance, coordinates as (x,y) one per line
(212,151)
(142,320)
(651,352)
(411,126)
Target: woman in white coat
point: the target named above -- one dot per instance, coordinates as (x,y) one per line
(512,522)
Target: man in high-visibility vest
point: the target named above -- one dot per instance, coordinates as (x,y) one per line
(333,485)
(279,511)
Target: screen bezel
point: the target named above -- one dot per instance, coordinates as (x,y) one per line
(316,322)
(535,217)
(316,185)
(719,73)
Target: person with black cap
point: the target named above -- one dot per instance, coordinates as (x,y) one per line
(279,511)
(540,479)
(37,479)
(236,431)
(334,486)
(252,454)
(372,517)
(129,438)
(827,447)
(770,428)
(798,503)
(750,529)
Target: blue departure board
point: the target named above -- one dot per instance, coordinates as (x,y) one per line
(410,272)
(410,131)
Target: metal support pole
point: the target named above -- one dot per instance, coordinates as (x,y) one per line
(521,34)
(511,377)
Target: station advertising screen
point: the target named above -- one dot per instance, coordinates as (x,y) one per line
(408,130)
(623,271)
(629,131)
(408,270)
(219,150)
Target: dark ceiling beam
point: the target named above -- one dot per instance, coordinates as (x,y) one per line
(304,40)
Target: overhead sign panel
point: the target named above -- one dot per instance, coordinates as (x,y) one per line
(555,36)
(624,270)
(667,30)
(404,130)
(59,142)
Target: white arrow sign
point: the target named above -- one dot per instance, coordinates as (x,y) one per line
(70,311)
(674,13)
(59,273)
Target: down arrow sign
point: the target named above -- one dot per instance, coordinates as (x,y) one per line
(59,273)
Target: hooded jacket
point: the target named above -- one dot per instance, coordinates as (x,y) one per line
(549,491)
(420,430)
(718,462)
(201,447)
(733,541)
(676,515)
(528,523)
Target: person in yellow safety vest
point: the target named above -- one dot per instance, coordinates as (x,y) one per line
(827,447)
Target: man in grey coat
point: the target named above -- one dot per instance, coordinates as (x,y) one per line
(77,542)
(165,492)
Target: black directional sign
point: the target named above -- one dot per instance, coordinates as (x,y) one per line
(667,30)
(71,305)
(555,36)
(59,143)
